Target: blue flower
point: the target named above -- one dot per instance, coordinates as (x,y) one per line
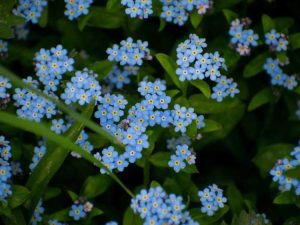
(31,10)
(77,212)
(4,85)
(76,8)
(157,207)
(129,52)
(176,163)
(211,199)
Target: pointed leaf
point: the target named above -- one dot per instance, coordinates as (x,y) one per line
(202,86)
(262,97)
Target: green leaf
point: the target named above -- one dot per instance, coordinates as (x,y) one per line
(155,184)
(195,19)
(97,141)
(268,155)
(202,104)
(295,41)
(287,198)
(268,23)
(102,18)
(72,195)
(202,86)
(131,218)
(160,159)
(20,195)
(95,212)
(53,160)
(205,219)
(172,93)
(14,20)
(96,185)
(6,31)
(190,169)
(82,22)
(262,97)
(44,17)
(102,68)
(51,192)
(283,23)
(162,24)
(170,67)
(255,66)
(182,101)
(235,199)
(191,130)
(62,215)
(113,5)
(282,57)
(294,173)
(210,126)
(230,15)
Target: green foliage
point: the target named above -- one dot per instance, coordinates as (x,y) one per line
(170,66)
(7,19)
(205,219)
(240,143)
(255,66)
(262,97)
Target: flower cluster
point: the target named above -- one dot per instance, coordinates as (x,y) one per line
(225,87)
(5,169)
(83,88)
(3,47)
(138,8)
(155,206)
(277,41)
(119,77)
(282,165)
(211,199)
(51,64)
(131,131)
(31,10)
(4,85)
(181,156)
(278,77)
(129,52)
(193,64)
(177,11)
(37,214)
(32,106)
(80,209)
(76,8)
(182,117)
(242,39)
(39,152)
